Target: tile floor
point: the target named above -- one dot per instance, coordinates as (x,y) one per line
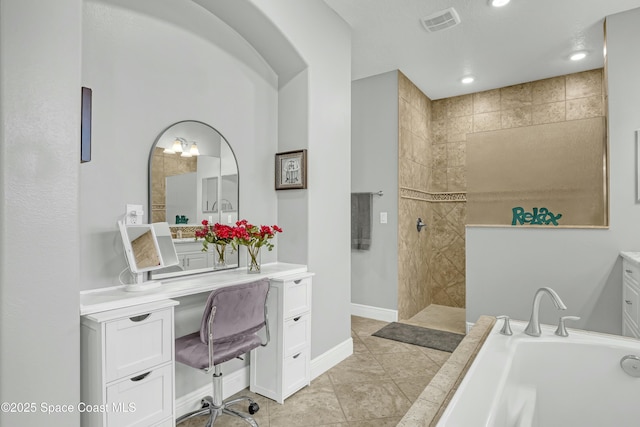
(374,387)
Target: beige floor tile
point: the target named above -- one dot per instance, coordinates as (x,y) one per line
(331,425)
(364,326)
(407,365)
(323,382)
(358,367)
(371,400)
(436,355)
(312,408)
(379,422)
(413,386)
(358,345)
(378,345)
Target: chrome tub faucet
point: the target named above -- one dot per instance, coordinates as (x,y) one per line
(533,328)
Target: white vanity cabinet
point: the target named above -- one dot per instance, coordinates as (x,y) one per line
(191,257)
(127,366)
(283,366)
(630,295)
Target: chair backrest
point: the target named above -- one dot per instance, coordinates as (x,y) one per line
(240,310)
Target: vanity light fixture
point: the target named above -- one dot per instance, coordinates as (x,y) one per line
(467,79)
(180,145)
(498,3)
(577,56)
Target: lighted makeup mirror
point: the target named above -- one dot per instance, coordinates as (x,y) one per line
(147,247)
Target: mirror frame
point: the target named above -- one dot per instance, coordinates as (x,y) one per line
(196,224)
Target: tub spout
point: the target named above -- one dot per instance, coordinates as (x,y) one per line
(533,328)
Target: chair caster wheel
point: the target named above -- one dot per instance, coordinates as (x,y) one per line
(253,408)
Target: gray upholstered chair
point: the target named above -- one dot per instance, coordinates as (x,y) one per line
(232,318)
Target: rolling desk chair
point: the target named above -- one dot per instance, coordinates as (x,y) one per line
(232,317)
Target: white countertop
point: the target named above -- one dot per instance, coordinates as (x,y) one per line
(97,300)
(631,256)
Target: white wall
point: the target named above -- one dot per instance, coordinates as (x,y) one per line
(293,134)
(323,40)
(148,71)
(374,167)
(39,166)
(505,266)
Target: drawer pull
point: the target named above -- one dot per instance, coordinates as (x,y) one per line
(139,318)
(297,281)
(295,319)
(297,355)
(628,301)
(629,271)
(141,377)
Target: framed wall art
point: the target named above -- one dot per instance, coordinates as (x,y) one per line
(291,170)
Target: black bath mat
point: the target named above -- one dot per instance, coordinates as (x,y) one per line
(424,337)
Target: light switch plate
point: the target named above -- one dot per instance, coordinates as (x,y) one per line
(383,217)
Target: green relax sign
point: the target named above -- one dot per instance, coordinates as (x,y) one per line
(540,216)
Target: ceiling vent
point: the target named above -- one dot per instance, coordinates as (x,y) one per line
(441,20)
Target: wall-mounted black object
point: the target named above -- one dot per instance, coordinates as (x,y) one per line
(85,126)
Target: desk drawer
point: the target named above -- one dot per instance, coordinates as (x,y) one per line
(296,372)
(141,400)
(631,271)
(296,334)
(630,303)
(137,343)
(297,297)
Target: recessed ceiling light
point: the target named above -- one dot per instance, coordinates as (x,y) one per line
(468,79)
(577,56)
(498,3)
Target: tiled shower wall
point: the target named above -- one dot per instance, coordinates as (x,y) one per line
(414,170)
(432,171)
(164,165)
(431,263)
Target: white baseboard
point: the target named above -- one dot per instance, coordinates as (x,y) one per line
(239,380)
(330,358)
(376,313)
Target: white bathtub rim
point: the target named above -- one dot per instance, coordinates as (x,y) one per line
(500,349)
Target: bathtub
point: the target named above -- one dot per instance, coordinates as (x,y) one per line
(547,381)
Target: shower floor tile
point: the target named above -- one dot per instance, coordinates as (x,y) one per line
(451,319)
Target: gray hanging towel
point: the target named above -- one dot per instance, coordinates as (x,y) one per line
(361,218)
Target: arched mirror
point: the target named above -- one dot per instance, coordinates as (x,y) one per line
(193,175)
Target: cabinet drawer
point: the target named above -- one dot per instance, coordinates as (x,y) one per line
(296,372)
(297,297)
(137,343)
(194,261)
(630,302)
(627,329)
(141,400)
(296,334)
(631,271)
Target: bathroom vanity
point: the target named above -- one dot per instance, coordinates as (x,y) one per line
(127,350)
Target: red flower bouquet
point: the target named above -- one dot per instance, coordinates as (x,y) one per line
(218,234)
(243,234)
(253,237)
